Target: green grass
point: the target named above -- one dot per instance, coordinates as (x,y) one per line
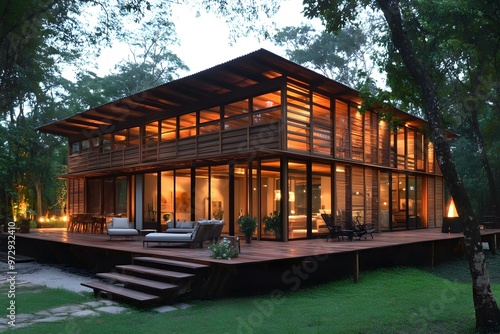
(398,300)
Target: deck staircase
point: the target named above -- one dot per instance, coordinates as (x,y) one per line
(149,280)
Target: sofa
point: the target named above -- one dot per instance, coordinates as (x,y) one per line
(180,227)
(205,230)
(121,227)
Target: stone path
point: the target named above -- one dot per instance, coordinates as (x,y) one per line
(71,312)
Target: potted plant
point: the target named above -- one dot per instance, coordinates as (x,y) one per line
(248,225)
(272,223)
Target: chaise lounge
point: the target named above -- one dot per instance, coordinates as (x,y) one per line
(207,230)
(121,227)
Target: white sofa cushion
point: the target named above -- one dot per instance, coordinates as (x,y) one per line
(166,237)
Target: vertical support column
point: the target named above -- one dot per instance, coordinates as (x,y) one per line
(356,267)
(139,200)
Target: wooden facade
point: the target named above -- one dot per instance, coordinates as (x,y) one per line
(254,135)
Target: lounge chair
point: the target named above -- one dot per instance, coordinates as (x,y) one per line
(121,227)
(334,232)
(359,230)
(203,231)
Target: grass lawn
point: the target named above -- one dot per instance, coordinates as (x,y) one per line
(397,300)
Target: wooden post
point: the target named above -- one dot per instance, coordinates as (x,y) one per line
(356,268)
(432,254)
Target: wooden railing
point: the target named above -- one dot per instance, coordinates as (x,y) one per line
(232,141)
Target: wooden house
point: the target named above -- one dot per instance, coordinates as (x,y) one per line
(251,136)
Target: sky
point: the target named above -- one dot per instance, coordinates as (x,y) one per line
(205,40)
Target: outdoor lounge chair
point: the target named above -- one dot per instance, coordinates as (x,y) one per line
(121,227)
(334,231)
(203,231)
(359,230)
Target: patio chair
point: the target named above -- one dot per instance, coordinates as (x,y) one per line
(359,230)
(334,231)
(121,227)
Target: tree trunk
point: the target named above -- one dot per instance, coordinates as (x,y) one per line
(474,123)
(486,309)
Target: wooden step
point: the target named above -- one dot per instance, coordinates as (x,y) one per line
(160,263)
(113,290)
(169,275)
(132,280)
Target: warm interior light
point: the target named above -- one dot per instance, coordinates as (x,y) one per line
(451,212)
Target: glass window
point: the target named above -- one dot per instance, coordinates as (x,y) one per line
(236,109)
(297,200)
(182,205)
(168,129)
(108,195)
(167,198)
(93,190)
(150,207)
(120,140)
(151,133)
(209,120)
(340,194)
(134,136)
(85,145)
(201,200)
(75,147)
(270,194)
(357,135)
(106,142)
(187,125)
(219,194)
(321,196)
(266,101)
(121,195)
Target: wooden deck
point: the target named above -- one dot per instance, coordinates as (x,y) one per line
(262,264)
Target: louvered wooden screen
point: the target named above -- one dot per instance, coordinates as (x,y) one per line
(298,117)
(357,143)
(431,202)
(342,135)
(321,125)
(383,144)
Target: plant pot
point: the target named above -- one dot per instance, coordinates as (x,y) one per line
(248,239)
(24,226)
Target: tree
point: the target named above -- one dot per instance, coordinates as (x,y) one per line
(335,14)
(341,57)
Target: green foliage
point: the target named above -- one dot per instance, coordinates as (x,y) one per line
(272,222)
(247,225)
(223,250)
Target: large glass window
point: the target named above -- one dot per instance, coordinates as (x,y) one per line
(167,197)
(321,196)
(182,203)
(297,200)
(241,196)
(109,195)
(385,218)
(201,200)
(150,203)
(94,196)
(270,194)
(340,194)
(121,195)
(219,194)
